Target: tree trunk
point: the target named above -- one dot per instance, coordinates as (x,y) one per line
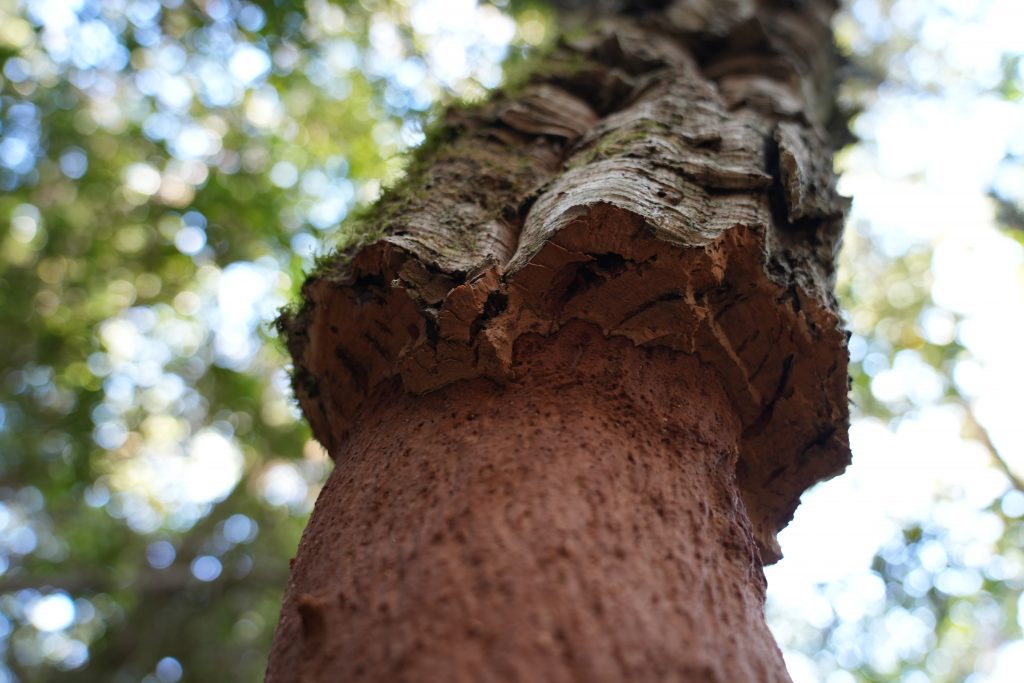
(579,368)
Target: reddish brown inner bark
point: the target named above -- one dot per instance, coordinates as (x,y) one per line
(579,523)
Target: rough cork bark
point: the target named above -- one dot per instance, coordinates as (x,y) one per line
(580,374)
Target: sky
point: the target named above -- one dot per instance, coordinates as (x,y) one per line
(921,177)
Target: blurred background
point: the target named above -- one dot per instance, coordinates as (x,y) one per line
(168,169)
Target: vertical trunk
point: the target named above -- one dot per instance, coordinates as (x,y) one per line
(579,523)
(580,370)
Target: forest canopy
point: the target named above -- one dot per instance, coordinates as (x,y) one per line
(168,172)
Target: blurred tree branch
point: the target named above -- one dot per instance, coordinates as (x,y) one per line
(155,581)
(977,431)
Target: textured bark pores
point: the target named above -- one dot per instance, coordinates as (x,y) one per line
(578,523)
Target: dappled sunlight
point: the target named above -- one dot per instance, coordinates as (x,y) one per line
(53,612)
(170,171)
(930,508)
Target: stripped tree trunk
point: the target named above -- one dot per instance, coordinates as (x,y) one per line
(580,374)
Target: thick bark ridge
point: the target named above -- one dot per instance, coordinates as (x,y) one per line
(667,179)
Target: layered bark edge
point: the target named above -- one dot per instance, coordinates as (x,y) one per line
(667,179)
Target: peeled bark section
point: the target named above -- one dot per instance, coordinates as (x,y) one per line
(578,523)
(665,182)
(670,197)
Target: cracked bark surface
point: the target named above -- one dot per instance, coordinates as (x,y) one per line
(653,214)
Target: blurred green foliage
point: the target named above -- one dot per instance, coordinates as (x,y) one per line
(168,170)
